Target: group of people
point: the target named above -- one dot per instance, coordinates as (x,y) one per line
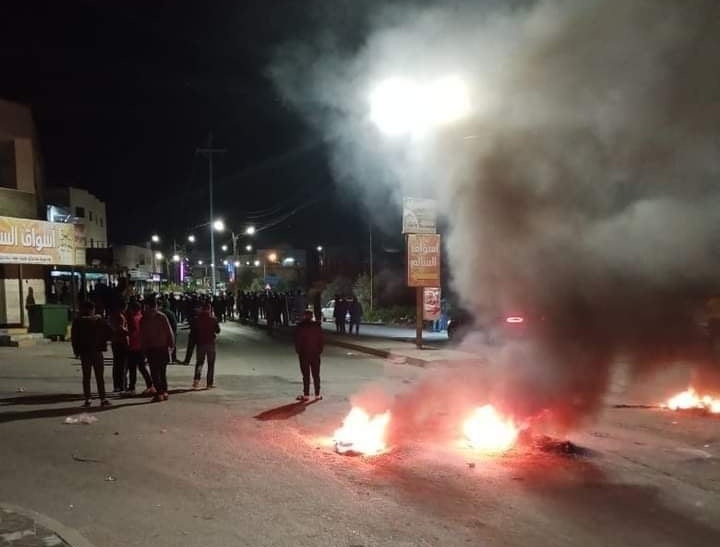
(142,334)
(347,311)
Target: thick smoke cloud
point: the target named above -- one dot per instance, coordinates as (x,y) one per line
(583,191)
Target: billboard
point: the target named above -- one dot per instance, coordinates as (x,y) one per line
(423,260)
(431,304)
(28,241)
(419,216)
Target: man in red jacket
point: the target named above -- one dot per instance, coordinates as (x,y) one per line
(309,343)
(206,328)
(156,341)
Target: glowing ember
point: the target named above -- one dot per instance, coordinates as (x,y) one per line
(361,433)
(488,431)
(691,399)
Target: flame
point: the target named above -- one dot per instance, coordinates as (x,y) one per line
(691,399)
(362,433)
(488,431)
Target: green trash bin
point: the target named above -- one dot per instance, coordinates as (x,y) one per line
(50,319)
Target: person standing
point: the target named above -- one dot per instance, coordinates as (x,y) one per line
(317,306)
(356,313)
(192,314)
(206,329)
(119,346)
(172,319)
(90,334)
(157,341)
(136,358)
(309,343)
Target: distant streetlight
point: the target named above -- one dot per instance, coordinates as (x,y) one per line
(225,262)
(219,226)
(272,257)
(319,248)
(237,263)
(158,256)
(224,248)
(256,263)
(191,238)
(200,262)
(248,248)
(176,258)
(155,238)
(250,230)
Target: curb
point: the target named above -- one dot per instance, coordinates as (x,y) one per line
(65,533)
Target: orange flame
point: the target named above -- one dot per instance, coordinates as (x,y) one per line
(488,431)
(362,433)
(691,399)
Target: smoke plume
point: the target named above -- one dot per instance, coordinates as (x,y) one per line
(582,191)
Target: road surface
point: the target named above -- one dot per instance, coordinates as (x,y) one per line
(202,470)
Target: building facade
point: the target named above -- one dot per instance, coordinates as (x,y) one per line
(84,208)
(21,196)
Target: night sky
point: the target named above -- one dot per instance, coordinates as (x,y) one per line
(123,93)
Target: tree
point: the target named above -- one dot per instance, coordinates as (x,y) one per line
(361,289)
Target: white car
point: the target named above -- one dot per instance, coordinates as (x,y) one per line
(328,312)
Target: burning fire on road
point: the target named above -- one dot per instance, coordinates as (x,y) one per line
(488,431)
(691,399)
(361,433)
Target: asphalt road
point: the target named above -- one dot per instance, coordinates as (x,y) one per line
(200,469)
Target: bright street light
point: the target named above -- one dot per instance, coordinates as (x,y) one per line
(155,238)
(158,256)
(256,263)
(176,258)
(219,225)
(225,262)
(248,248)
(399,106)
(237,263)
(191,238)
(250,230)
(224,247)
(319,248)
(199,262)
(272,257)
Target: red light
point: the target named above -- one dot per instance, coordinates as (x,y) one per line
(514,319)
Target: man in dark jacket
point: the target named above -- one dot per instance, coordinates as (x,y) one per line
(166,310)
(309,343)
(206,329)
(90,334)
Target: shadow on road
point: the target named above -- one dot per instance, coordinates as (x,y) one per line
(282,412)
(43,399)
(6,417)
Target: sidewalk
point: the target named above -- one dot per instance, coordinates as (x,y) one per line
(23,528)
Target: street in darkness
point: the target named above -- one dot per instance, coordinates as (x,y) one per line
(242,465)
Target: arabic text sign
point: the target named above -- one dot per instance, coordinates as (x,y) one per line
(423,260)
(419,216)
(27,241)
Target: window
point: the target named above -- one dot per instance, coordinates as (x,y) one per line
(80,212)
(8,175)
(90,216)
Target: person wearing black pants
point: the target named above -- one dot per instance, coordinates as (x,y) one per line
(136,361)
(157,342)
(309,342)
(90,334)
(119,326)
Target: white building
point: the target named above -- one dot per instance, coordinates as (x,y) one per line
(86,210)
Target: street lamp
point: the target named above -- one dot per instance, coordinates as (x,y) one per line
(319,248)
(191,238)
(250,230)
(224,248)
(158,256)
(256,263)
(176,258)
(155,238)
(200,262)
(248,248)
(219,226)
(237,263)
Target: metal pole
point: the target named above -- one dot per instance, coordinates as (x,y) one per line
(212,228)
(371,267)
(20,292)
(419,317)
(235,265)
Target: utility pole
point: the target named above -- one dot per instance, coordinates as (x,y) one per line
(372,284)
(208,153)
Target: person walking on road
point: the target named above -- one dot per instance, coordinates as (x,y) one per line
(356,313)
(136,357)
(192,314)
(206,329)
(90,334)
(157,341)
(119,345)
(309,343)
